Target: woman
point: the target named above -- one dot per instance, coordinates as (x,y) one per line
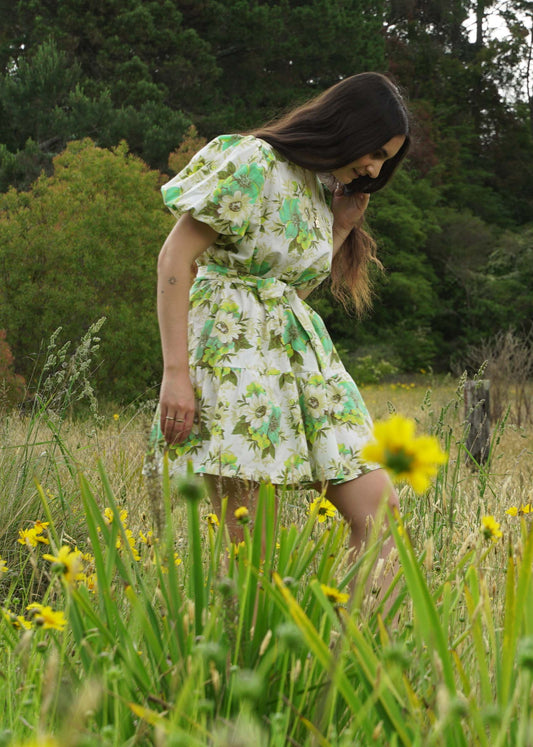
(253,388)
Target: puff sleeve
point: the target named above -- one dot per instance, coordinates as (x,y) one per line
(223,184)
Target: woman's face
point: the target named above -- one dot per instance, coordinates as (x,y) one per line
(369,165)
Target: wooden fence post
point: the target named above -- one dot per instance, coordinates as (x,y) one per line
(477,414)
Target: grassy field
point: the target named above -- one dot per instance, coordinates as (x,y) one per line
(146,627)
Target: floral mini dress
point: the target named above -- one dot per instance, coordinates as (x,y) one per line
(274,401)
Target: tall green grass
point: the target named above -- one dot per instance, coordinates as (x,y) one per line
(187,639)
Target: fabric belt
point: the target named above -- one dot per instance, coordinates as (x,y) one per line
(268,289)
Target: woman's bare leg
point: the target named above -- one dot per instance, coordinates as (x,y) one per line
(238,493)
(359,502)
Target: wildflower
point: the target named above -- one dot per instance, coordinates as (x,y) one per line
(235,548)
(325,508)
(512,511)
(334,596)
(46,617)
(68,562)
(490,528)
(32,536)
(146,539)
(404,456)
(242,515)
(39,742)
(131,542)
(191,488)
(3,565)
(212,520)
(177,562)
(525,509)
(116,416)
(40,526)
(109,515)
(16,621)
(88,580)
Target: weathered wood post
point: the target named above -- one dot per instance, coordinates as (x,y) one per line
(477,414)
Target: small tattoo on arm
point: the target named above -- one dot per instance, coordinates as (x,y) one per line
(172,280)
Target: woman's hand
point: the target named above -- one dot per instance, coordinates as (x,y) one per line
(177,405)
(348,210)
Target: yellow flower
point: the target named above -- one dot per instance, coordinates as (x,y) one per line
(88,580)
(512,511)
(131,542)
(242,515)
(3,565)
(405,456)
(32,536)
(525,509)
(108,516)
(16,621)
(46,617)
(235,548)
(116,416)
(39,742)
(490,528)
(40,526)
(146,539)
(334,596)
(212,520)
(177,561)
(68,561)
(325,508)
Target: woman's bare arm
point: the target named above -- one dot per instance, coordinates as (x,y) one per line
(188,240)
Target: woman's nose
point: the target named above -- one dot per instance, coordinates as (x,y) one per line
(373,169)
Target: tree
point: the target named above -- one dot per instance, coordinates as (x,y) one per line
(79,245)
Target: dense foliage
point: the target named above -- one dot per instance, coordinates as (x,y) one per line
(454,229)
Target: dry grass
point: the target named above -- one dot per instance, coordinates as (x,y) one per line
(35,452)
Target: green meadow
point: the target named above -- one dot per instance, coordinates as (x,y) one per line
(145,625)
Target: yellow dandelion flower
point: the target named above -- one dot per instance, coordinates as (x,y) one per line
(16,621)
(131,542)
(242,515)
(235,548)
(490,528)
(88,580)
(146,539)
(40,526)
(405,456)
(177,562)
(525,509)
(334,595)
(116,416)
(212,520)
(68,562)
(87,557)
(325,508)
(512,511)
(45,617)
(109,515)
(3,565)
(31,537)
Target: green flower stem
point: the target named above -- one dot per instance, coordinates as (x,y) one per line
(247,597)
(197,574)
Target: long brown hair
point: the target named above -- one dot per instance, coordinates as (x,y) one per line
(355,117)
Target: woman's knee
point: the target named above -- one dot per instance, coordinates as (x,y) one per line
(362,498)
